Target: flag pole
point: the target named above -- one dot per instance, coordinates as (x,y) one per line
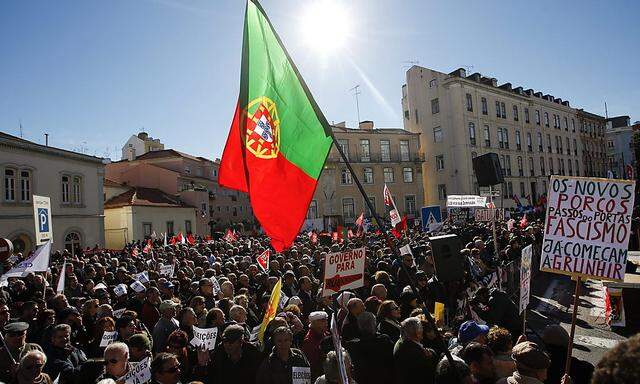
(396,253)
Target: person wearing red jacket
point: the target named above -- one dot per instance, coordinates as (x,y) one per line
(311,344)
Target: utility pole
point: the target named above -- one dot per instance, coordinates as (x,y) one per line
(356,92)
(20,128)
(46,139)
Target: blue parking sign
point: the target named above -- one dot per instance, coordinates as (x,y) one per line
(43,219)
(430,215)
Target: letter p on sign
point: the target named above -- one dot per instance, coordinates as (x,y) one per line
(43,219)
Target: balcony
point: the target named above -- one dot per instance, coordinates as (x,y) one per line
(377,158)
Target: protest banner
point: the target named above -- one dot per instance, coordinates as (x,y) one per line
(108,338)
(525,282)
(300,375)
(586,233)
(466,201)
(166,270)
(216,285)
(117,313)
(489,214)
(204,337)
(588,227)
(120,290)
(143,277)
(139,373)
(343,270)
(137,286)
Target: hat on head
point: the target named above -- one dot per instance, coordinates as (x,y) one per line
(318,315)
(469,330)
(295,300)
(18,326)
(139,340)
(530,355)
(167,304)
(232,333)
(554,334)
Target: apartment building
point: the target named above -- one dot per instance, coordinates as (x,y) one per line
(378,156)
(534,134)
(619,145)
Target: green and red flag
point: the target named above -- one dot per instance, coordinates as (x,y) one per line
(279,138)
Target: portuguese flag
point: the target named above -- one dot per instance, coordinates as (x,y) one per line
(279,138)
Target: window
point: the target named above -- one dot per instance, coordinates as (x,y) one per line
(469,103)
(348,208)
(25,186)
(410,204)
(146,229)
(566,123)
(368,176)
(546,119)
(544,186)
(472,134)
(407,174)
(500,138)
(522,191)
(417,116)
(406,115)
(372,200)
(510,188)
(505,135)
(570,167)
(518,141)
(388,175)
(404,150)
(344,145)
(187,169)
(435,106)
(504,171)
(199,171)
(187,226)
(543,169)
(526,115)
(433,83)
(345,177)
(560,142)
(548,142)
(9,185)
(520,170)
(72,242)
(529,145)
(551,172)
(539,136)
(385,150)
(440,162)
(577,169)
(507,159)
(442,191)
(487,136)
(77,190)
(568,146)
(365,152)
(437,134)
(485,109)
(504,110)
(515,113)
(312,212)
(575,147)
(532,169)
(573,125)
(65,189)
(537,117)
(561,166)
(498,114)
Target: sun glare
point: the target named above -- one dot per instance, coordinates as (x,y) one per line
(325,26)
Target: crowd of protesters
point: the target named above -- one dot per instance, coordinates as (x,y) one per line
(216,283)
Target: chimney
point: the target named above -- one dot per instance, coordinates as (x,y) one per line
(506,86)
(366,124)
(341,124)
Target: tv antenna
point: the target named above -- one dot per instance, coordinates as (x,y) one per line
(356,92)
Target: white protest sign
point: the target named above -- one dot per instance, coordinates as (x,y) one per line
(283,300)
(394,216)
(406,250)
(99,286)
(118,312)
(42,219)
(166,270)
(300,375)
(489,214)
(120,290)
(343,270)
(588,226)
(137,286)
(204,337)
(143,277)
(216,285)
(108,338)
(525,277)
(140,373)
(460,201)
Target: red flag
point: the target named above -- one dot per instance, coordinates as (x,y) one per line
(135,252)
(388,199)
(523,222)
(350,234)
(400,227)
(147,248)
(173,240)
(263,260)
(230,236)
(360,219)
(190,239)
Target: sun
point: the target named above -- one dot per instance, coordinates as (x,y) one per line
(325,26)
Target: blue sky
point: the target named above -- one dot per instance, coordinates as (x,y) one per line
(91,73)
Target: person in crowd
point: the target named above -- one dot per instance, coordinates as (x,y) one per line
(311,344)
(469,331)
(15,335)
(500,342)
(556,339)
(458,374)
(165,325)
(532,363)
(30,369)
(331,369)
(496,308)
(277,367)
(371,353)
(479,358)
(413,362)
(619,364)
(63,358)
(150,312)
(116,361)
(165,369)
(139,347)
(237,360)
(389,319)
(350,330)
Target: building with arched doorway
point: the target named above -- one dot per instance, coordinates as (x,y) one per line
(73,182)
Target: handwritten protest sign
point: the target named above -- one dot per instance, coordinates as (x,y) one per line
(525,277)
(108,338)
(343,270)
(588,227)
(204,337)
(460,201)
(140,373)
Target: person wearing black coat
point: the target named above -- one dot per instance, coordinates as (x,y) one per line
(371,354)
(389,320)
(413,362)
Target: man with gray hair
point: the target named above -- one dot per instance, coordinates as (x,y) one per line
(413,362)
(116,361)
(372,353)
(332,368)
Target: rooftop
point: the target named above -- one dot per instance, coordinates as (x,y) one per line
(146,197)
